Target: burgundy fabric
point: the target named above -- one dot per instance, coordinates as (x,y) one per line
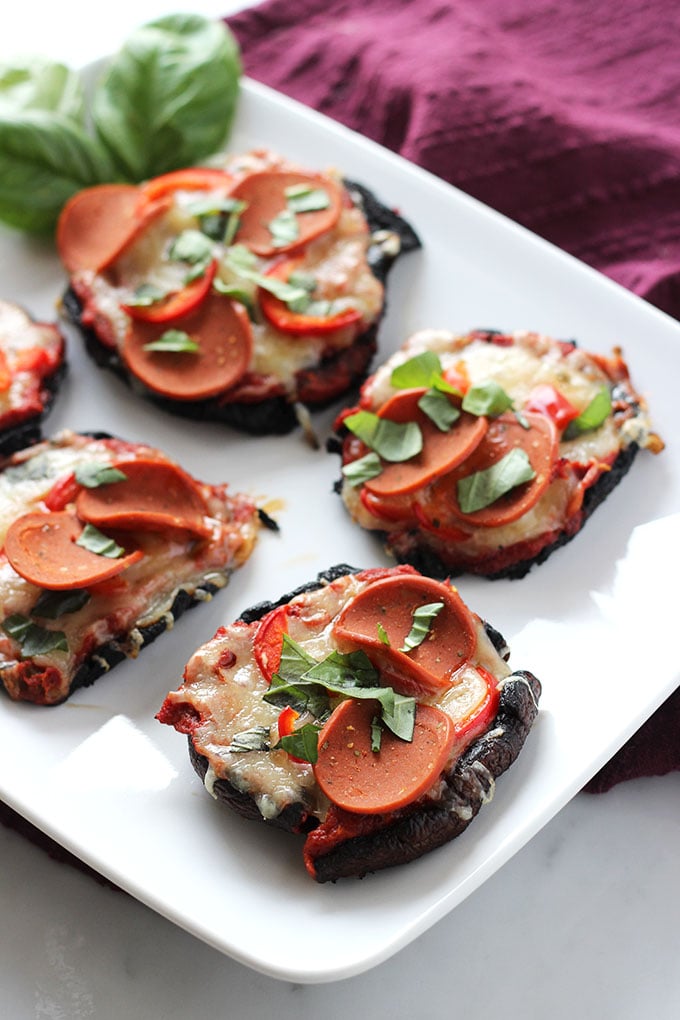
(563,115)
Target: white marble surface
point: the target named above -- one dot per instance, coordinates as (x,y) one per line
(580,923)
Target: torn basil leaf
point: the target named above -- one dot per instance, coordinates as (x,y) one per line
(175,341)
(302,198)
(52,604)
(439,409)
(359,471)
(257,739)
(383,635)
(284,228)
(483,488)
(145,295)
(423,617)
(302,743)
(236,293)
(595,414)
(487,398)
(376,734)
(34,639)
(94,474)
(417,371)
(94,541)
(191,246)
(394,441)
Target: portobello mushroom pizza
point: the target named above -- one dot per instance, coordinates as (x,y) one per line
(370,710)
(31,368)
(483,453)
(104,544)
(241,293)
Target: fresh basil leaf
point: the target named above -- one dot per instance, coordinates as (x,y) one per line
(302,743)
(168,98)
(34,640)
(341,670)
(359,471)
(401,718)
(175,341)
(284,228)
(294,660)
(53,604)
(302,198)
(40,84)
(45,157)
(383,635)
(595,414)
(147,294)
(212,205)
(439,409)
(94,541)
(257,739)
(93,475)
(483,488)
(376,734)
(236,293)
(420,625)
(191,246)
(418,371)
(239,258)
(242,267)
(303,281)
(487,398)
(394,441)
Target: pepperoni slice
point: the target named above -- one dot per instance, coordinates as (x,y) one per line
(42,549)
(441,452)
(288,321)
(369,782)
(153,496)
(179,303)
(221,329)
(266,198)
(391,603)
(268,641)
(97,224)
(505,433)
(194,178)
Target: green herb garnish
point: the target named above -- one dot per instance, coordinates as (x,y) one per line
(487,398)
(363,469)
(34,639)
(145,295)
(53,604)
(302,743)
(284,228)
(394,441)
(302,198)
(175,341)
(423,616)
(595,414)
(256,739)
(439,409)
(483,488)
(94,541)
(92,475)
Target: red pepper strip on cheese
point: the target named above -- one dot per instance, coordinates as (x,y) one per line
(506,433)
(177,304)
(63,492)
(288,321)
(358,779)
(441,452)
(195,178)
(379,619)
(266,198)
(153,496)
(268,641)
(97,224)
(286,727)
(545,399)
(42,549)
(220,330)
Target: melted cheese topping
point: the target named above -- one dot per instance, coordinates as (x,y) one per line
(21,376)
(230,699)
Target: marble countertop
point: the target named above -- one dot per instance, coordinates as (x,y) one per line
(582,922)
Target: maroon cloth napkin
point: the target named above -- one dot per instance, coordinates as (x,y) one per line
(564,116)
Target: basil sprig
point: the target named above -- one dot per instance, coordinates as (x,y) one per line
(175,341)
(483,488)
(423,617)
(167,100)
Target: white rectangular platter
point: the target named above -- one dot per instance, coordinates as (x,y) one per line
(596,623)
